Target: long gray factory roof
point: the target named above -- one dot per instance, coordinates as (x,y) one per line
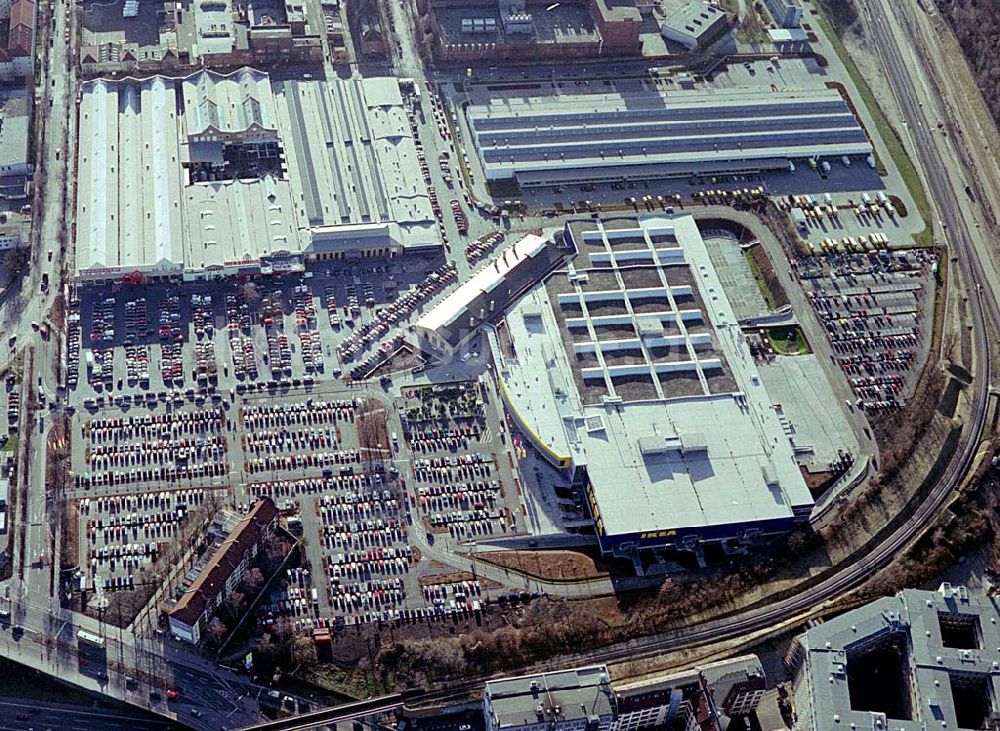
(353,173)
(352,156)
(129,205)
(518,132)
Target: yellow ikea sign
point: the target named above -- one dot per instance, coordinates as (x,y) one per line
(657,534)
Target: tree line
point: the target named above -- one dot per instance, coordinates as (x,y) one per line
(976,24)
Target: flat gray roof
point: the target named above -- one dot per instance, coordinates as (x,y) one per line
(824,696)
(695,17)
(519,133)
(578,694)
(14,121)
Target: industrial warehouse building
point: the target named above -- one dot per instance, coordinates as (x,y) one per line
(628,371)
(643,133)
(695,24)
(215,175)
(910,662)
(353,166)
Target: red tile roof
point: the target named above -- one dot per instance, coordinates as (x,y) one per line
(21,39)
(212,580)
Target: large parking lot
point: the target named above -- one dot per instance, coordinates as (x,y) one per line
(365,513)
(125,534)
(456,487)
(295,329)
(245,388)
(877,308)
(169,448)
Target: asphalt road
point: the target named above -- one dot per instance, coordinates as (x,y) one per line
(16,715)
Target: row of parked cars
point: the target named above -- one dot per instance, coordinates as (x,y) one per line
(396,312)
(482,246)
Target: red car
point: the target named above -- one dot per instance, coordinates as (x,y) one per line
(172,694)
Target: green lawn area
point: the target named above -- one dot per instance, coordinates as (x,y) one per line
(788,340)
(11,444)
(750,29)
(895,146)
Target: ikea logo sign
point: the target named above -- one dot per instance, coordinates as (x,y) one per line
(657,534)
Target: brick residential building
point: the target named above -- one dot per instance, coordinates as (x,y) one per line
(223,572)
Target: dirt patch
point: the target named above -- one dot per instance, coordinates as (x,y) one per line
(817,482)
(373,435)
(899,205)
(550,565)
(69,554)
(763,265)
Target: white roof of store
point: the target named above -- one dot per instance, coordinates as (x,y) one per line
(691,461)
(129,204)
(234,102)
(352,156)
(353,173)
(239,221)
(485,280)
(134,210)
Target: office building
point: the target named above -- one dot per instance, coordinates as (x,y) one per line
(619,23)
(786,13)
(584,699)
(910,662)
(533,29)
(568,700)
(222,572)
(703,697)
(695,24)
(628,370)
(642,134)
